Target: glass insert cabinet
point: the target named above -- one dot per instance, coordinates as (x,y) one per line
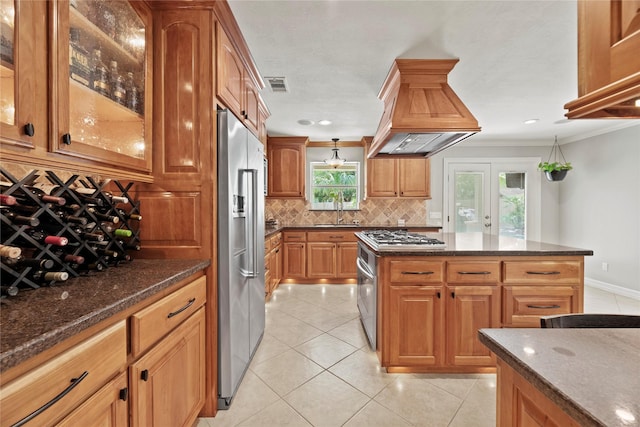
(102,80)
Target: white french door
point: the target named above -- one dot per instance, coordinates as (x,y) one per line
(493,196)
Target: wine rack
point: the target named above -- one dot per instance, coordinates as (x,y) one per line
(100,213)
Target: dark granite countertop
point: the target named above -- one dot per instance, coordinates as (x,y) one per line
(591,374)
(480,244)
(269,230)
(35,320)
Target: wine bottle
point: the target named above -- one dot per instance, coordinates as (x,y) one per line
(43,276)
(133,93)
(41,237)
(36,192)
(125,215)
(18,219)
(78,59)
(7,200)
(70,258)
(83,198)
(113,199)
(121,232)
(10,251)
(22,262)
(118,91)
(104,217)
(100,74)
(129,246)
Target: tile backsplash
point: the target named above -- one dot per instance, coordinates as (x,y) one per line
(372,211)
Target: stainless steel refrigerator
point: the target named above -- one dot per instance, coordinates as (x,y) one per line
(240,252)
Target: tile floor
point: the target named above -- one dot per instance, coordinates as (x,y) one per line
(314,368)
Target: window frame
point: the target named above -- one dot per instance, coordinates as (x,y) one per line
(357,185)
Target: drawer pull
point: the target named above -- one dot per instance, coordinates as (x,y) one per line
(544,273)
(74,383)
(180,310)
(336,237)
(543,306)
(417,272)
(438,294)
(474,272)
(124,394)
(144,375)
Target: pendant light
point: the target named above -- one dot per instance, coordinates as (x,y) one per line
(335,159)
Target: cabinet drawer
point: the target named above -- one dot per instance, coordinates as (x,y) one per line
(473,271)
(79,372)
(549,272)
(155,321)
(523,305)
(296,236)
(267,245)
(416,271)
(276,240)
(331,236)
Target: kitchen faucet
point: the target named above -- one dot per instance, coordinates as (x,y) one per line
(339,207)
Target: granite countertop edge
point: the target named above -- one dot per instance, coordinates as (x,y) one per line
(32,347)
(545,387)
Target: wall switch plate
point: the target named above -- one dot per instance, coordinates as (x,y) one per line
(401,222)
(605,266)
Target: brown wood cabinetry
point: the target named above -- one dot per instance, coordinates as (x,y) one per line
(321,260)
(398,178)
(520,404)
(347,256)
(287,157)
(273,263)
(80,371)
(608,60)
(432,307)
(294,259)
(237,88)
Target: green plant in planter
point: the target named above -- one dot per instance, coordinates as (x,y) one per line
(554,166)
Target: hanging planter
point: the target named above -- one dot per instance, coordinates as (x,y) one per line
(556,170)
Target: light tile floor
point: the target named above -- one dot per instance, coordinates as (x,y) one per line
(314,368)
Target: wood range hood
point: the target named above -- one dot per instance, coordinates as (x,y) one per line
(422,114)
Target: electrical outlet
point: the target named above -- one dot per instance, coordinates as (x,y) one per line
(435,215)
(605,266)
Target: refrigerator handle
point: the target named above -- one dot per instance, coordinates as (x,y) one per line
(253,223)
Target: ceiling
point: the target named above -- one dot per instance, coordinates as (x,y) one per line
(518,61)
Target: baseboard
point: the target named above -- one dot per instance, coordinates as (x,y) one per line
(615,289)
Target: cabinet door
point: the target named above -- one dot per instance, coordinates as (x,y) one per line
(250,109)
(286,170)
(382,178)
(415,325)
(23,73)
(470,308)
(230,87)
(167,384)
(347,257)
(294,260)
(415,178)
(108,407)
(276,266)
(321,260)
(103,118)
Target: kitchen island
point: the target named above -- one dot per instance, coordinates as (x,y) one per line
(431,302)
(567,377)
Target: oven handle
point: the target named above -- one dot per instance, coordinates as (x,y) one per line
(364,269)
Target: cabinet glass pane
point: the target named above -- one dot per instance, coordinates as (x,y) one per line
(7,61)
(106,73)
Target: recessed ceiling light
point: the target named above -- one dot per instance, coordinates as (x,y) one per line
(305,122)
(531,121)
(324,122)
(638,102)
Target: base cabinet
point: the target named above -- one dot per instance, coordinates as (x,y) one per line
(109,407)
(167,384)
(520,404)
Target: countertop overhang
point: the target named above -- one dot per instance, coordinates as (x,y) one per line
(480,244)
(36,320)
(591,374)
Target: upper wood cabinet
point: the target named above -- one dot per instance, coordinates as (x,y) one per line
(608,60)
(398,178)
(287,159)
(101,82)
(236,86)
(23,74)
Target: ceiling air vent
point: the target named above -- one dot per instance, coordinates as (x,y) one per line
(277,84)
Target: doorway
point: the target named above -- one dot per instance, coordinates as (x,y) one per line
(493,196)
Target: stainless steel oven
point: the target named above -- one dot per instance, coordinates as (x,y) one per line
(367,292)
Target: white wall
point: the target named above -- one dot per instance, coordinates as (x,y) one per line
(600,205)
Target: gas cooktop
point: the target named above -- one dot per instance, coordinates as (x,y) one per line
(393,240)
